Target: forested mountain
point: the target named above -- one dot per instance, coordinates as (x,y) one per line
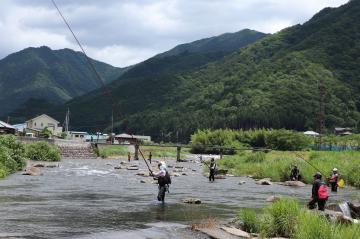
(137,84)
(272,83)
(55,76)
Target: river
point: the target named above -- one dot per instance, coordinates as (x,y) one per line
(91,199)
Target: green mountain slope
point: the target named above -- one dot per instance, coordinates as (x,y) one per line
(271,83)
(141,82)
(55,76)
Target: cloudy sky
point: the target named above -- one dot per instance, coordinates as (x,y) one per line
(124,32)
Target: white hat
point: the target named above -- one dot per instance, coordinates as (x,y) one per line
(335,169)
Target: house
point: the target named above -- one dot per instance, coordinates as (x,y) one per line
(77,135)
(131,139)
(311,133)
(6,128)
(44,121)
(343,131)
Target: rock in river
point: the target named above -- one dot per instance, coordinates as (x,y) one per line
(294,184)
(32,171)
(133,167)
(265,181)
(39,165)
(192,200)
(236,232)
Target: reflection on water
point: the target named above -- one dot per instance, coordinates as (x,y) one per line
(90,199)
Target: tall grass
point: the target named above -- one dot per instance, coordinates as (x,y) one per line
(277,165)
(285,218)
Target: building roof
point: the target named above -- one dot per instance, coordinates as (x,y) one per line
(312,133)
(5,125)
(77,132)
(42,116)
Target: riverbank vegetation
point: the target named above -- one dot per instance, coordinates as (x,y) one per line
(277,164)
(109,151)
(285,218)
(13,154)
(225,139)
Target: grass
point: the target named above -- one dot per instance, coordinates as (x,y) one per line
(107,151)
(285,218)
(277,164)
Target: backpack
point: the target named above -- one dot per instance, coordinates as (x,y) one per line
(167,178)
(323,192)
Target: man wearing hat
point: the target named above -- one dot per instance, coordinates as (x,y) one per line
(333,180)
(319,193)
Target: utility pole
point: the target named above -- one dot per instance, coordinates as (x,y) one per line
(8,120)
(67,121)
(112,127)
(321,114)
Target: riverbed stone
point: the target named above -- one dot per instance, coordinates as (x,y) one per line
(222,171)
(184,174)
(39,165)
(32,171)
(241,182)
(219,176)
(175,175)
(294,184)
(143,174)
(133,167)
(52,165)
(192,200)
(265,181)
(236,232)
(273,199)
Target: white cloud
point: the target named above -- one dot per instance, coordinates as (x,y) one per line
(128,31)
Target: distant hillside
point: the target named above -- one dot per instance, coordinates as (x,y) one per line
(142,82)
(53,75)
(272,83)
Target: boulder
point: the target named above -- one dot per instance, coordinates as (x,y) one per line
(184,174)
(119,167)
(180,167)
(177,170)
(192,200)
(194,170)
(32,171)
(222,171)
(264,181)
(38,165)
(220,176)
(250,176)
(175,175)
(241,182)
(52,165)
(143,174)
(355,209)
(133,167)
(123,162)
(273,199)
(294,184)
(236,232)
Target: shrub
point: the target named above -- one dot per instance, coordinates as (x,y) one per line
(256,157)
(281,219)
(250,220)
(42,151)
(287,140)
(15,151)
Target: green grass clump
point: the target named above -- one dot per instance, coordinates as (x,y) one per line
(250,220)
(42,151)
(284,218)
(112,151)
(256,157)
(12,155)
(280,219)
(277,165)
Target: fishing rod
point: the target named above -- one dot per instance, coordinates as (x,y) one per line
(92,67)
(142,155)
(301,157)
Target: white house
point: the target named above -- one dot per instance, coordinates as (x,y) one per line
(78,135)
(44,121)
(311,133)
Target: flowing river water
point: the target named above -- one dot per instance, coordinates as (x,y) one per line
(91,199)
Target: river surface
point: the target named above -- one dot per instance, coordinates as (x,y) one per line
(91,199)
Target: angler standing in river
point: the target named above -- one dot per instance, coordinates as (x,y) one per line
(164,180)
(319,194)
(333,180)
(212,168)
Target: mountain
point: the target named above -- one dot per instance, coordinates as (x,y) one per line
(52,75)
(273,83)
(140,82)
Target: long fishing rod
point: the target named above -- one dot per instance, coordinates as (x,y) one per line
(301,157)
(91,64)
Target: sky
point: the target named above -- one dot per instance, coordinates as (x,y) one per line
(126,32)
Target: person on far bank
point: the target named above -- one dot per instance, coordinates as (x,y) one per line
(319,193)
(212,168)
(129,156)
(150,156)
(333,180)
(295,174)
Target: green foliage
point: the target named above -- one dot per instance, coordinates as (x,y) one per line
(42,151)
(111,151)
(284,218)
(256,157)
(287,140)
(50,75)
(46,133)
(12,155)
(250,220)
(277,165)
(227,138)
(281,219)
